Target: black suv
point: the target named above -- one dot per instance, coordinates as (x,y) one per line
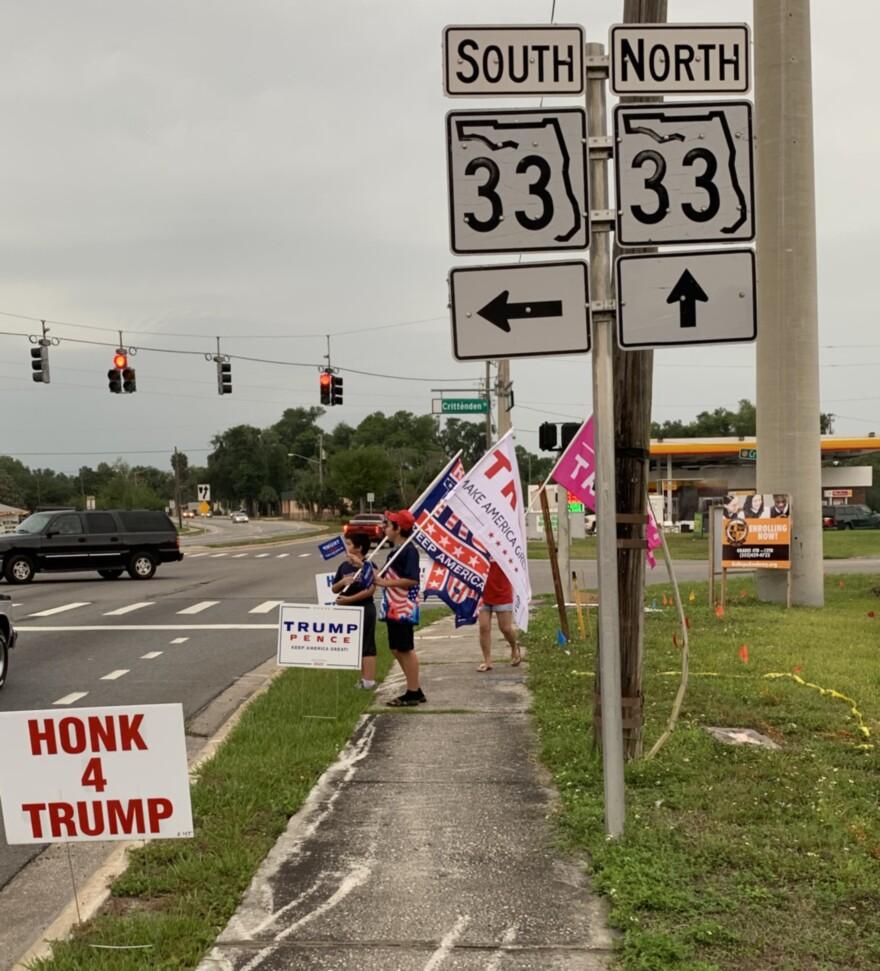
(109,541)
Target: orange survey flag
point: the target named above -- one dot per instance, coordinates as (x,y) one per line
(719,611)
(744,654)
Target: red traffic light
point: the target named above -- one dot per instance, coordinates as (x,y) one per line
(325,380)
(120,361)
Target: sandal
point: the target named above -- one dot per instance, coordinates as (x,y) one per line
(516,660)
(402,702)
(484,667)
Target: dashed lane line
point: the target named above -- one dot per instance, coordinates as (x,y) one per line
(59,610)
(266,607)
(128,608)
(113,675)
(150,655)
(71,698)
(179,640)
(199,607)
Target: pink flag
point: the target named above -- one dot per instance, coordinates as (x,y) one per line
(576,471)
(576,468)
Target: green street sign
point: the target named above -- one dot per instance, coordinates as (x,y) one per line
(748,453)
(464,406)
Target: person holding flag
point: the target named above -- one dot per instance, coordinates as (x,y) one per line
(399,579)
(354,583)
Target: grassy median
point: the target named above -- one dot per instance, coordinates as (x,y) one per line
(734,858)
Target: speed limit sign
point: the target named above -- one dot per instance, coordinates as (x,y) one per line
(684,173)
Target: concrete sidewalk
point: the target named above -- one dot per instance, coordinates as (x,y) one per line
(428,844)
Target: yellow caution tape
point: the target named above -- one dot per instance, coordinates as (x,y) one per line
(862,728)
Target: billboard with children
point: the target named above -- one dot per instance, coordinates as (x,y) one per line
(756,531)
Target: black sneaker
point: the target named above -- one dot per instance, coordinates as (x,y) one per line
(419,695)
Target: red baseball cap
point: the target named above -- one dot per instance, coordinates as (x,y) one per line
(403,519)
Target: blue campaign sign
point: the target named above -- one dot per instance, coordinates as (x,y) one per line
(333,547)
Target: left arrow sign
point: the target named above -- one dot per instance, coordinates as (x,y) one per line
(500,311)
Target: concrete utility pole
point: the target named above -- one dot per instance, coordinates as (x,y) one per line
(787,370)
(502,387)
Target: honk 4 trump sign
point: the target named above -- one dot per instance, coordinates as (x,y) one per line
(320,637)
(94,774)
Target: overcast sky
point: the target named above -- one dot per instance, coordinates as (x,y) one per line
(274,171)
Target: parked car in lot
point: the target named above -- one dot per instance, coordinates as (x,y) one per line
(853,516)
(371,523)
(828,520)
(240,517)
(7,635)
(109,540)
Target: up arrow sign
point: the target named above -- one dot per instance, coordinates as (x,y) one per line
(650,285)
(499,311)
(686,293)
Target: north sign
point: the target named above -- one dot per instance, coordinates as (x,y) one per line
(654,59)
(673,299)
(684,173)
(522,310)
(517,180)
(519,61)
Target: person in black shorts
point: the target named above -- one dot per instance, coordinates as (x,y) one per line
(400,604)
(355,582)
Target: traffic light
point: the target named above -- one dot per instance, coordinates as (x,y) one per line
(40,362)
(326,380)
(129,380)
(547,436)
(224,376)
(335,390)
(568,431)
(115,376)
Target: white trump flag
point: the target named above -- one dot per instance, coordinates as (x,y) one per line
(489,501)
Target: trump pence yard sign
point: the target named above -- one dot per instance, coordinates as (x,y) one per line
(320,637)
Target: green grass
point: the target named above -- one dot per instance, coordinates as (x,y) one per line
(838,544)
(176,895)
(733,858)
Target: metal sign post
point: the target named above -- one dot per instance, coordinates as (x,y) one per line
(603,419)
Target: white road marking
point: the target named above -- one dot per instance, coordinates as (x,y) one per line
(238,556)
(281,556)
(71,698)
(59,610)
(151,655)
(215,556)
(113,675)
(176,627)
(179,640)
(260,556)
(265,607)
(129,608)
(302,555)
(199,607)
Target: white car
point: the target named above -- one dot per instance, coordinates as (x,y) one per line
(240,517)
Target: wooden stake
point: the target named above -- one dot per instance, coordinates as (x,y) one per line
(554,566)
